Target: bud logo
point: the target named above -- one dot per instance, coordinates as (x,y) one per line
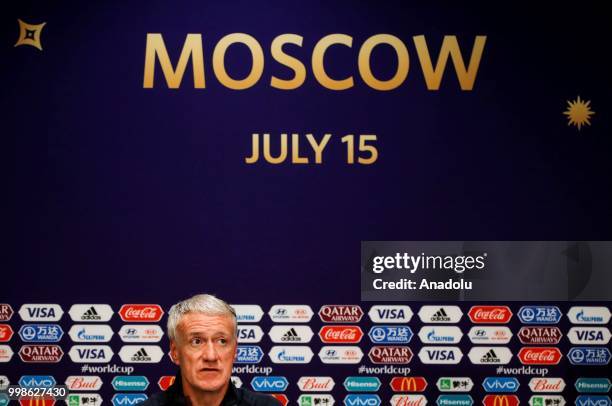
(90,312)
(6,332)
(165,382)
(440,335)
(297,354)
(36,401)
(539,355)
(316,383)
(249,334)
(592,400)
(269,383)
(490,355)
(249,354)
(83,383)
(589,335)
(141,354)
(455,384)
(440,355)
(91,353)
(128,399)
(500,400)
(130,383)
(589,355)
(539,400)
(341,334)
(408,400)
(550,385)
(361,400)
(390,354)
(390,334)
(41,333)
(41,353)
(37,381)
(141,333)
(539,314)
(390,314)
(454,400)
(6,353)
(490,335)
(440,314)
(590,385)
(500,385)
(540,335)
(248,313)
(6,312)
(408,384)
(283,398)
(589,315)
(141,313)
(291,334)
(341,313)
(83,333)
(362,384)
(340,354)
(490,314)
(40,312)
(290,313)
(315,400)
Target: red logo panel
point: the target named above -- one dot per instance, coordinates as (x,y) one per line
(141,313)
(408,384)
(501,400)
(490,314)
(540,355)
(6,332)
(340,334)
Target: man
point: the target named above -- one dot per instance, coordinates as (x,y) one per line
(203,343)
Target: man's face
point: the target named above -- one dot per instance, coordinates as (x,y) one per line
(205,348)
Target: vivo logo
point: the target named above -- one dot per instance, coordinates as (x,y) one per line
(592,400)
(269,383)
(362,400)
(128,399)
(500,385)
(37,381)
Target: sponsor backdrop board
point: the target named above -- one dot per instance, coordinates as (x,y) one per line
(135,180)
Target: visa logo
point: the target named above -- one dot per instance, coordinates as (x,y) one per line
(362,400)
(41,312)
(246,334)
(591,400)
(91,353)
(441,355)
(501,385)
(391,313)
(590,335)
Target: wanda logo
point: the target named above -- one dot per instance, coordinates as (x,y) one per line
(540,355)
(141,312)
(490,314)
(341,334)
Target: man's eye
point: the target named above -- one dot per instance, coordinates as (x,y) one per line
(195,341)
(223,341)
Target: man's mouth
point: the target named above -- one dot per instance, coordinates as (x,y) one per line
(206,369)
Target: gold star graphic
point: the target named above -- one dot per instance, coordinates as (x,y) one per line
(579,112)
(29,34)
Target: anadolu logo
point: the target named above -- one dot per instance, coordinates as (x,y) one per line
(298,354)
(589,335)
(408,384)
(408,400)
(40,312)
(390,314)
(490,335)
(589,315)
(454,400)
(362,384)
(548,384)
(539,314)
(91,353)
(440,355)
(455,384)
(592,400)
(41,333)
(249,354)
(269,383)
(390,334)
(248,313)
(291,334)
(128,399)
(361,400)
(249,334)
(130,383)
(440,334)
(37,381)
(83,333)
(440,314)
(91,312)
(83,383)
(341,314)
(316,383)
(500,384)
(589,355)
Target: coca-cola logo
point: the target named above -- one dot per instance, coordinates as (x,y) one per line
(341,313)
(41,353)
(540,355)
(540,335)
(6,332)
(341,334)
(141,312)
(490,314)
(390,354)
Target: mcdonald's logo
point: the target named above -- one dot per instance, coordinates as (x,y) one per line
(408,384)
(37,401)
(500,400)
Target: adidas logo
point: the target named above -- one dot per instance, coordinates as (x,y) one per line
(141,355)
(440,315)
(291,335)
(91,314)
(490,356)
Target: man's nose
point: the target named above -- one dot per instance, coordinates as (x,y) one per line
(209,353)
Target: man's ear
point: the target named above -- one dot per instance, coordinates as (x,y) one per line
(174,352)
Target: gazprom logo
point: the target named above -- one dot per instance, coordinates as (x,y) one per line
(37,381)
(249,354)
(500,384)
(362,384)
(130,383)
(361,400)
(539,314)
(269,383)
(128,399)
